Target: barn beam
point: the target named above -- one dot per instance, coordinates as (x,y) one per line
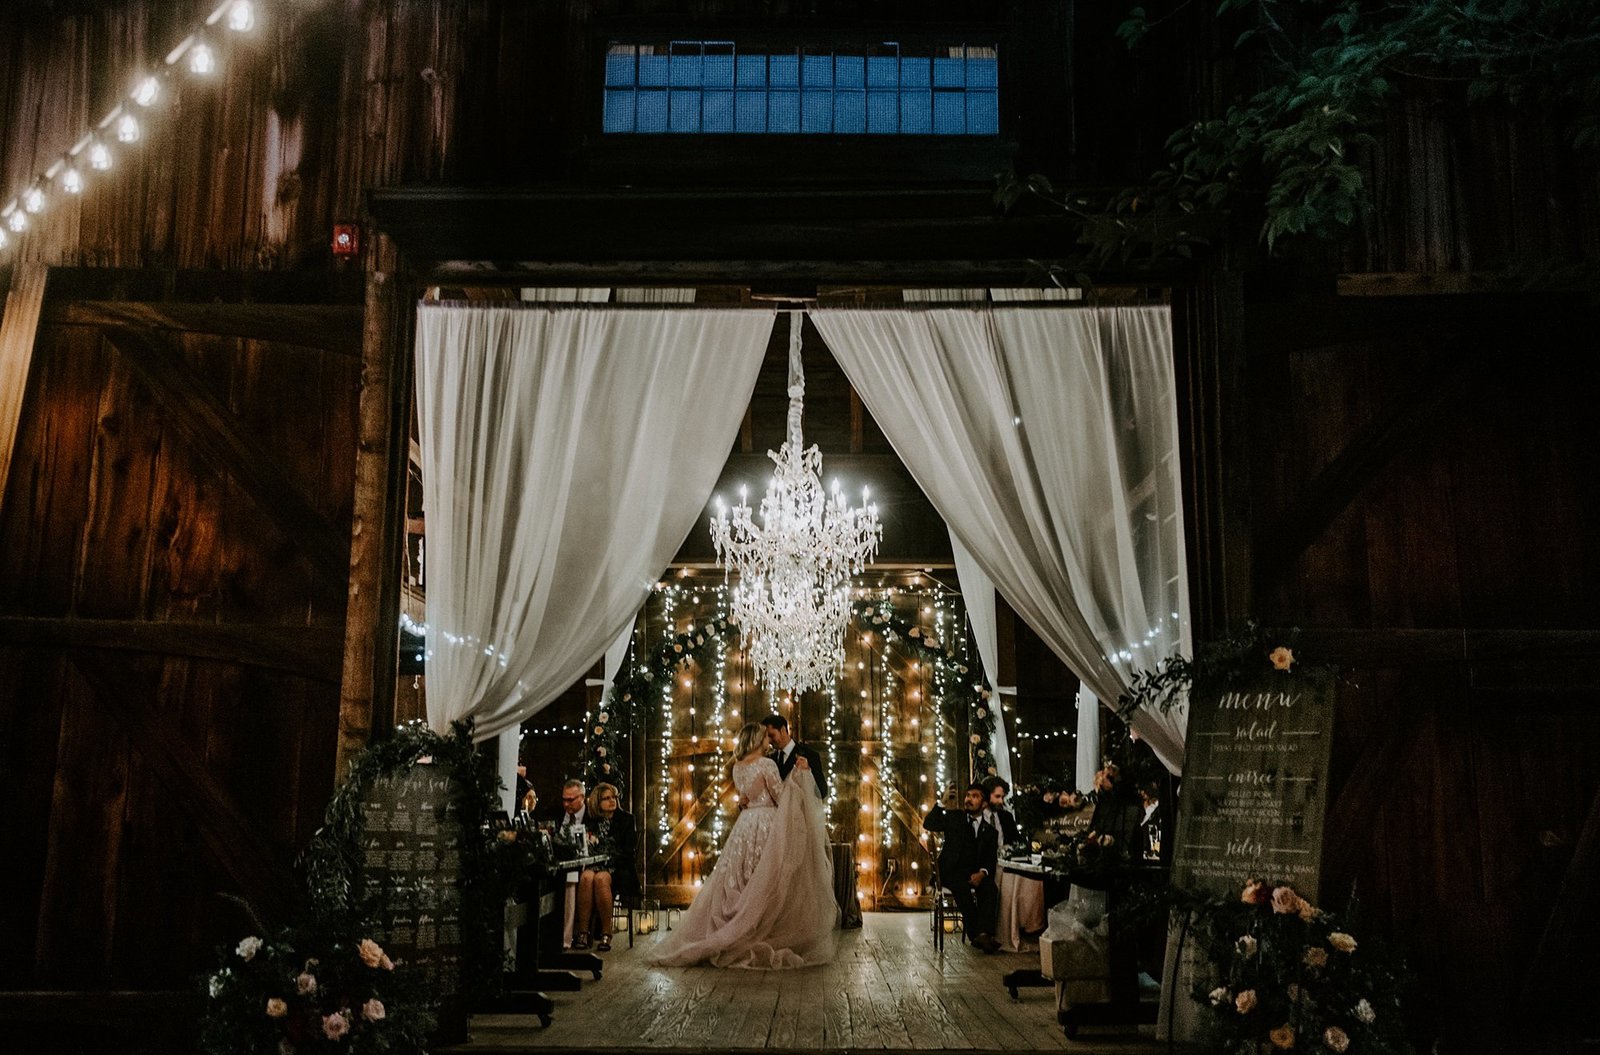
(235,842)
(329,327)
(310,652)
(19,328)
(213,432)
(378,519)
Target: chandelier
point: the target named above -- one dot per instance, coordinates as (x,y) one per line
(794,560)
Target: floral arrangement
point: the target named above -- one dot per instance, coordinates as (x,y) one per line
(295,993)
(1289,977)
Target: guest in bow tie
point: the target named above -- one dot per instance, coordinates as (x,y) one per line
(968,860)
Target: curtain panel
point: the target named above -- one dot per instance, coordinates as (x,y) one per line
(566,454)
(1047,439)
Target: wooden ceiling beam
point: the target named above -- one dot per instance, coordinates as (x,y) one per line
(330,327)
(198,414)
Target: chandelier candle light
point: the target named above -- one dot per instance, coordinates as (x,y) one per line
(792,599)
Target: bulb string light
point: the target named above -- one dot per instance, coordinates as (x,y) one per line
(66,174)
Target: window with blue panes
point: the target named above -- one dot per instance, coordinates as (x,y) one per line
(707,87)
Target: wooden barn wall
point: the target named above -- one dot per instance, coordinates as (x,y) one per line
(143,779)
(1460,436)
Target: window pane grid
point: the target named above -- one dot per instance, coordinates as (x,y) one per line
(714,87)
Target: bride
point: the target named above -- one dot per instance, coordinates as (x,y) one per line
(769,902)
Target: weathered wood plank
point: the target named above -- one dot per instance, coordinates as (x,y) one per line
(260,870)
(306,651)
(331,328)
(19,328)
(200,416)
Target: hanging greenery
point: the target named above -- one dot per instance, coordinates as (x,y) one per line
(1322,75)
(622,711)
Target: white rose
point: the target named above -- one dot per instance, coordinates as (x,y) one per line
(248,948)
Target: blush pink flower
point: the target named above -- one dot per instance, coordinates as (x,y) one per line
(305,984)
(276,1008)
(1336,1038)
(335,1025)
(1285,901)
(372,1010)
(1245,1002)
(371,952)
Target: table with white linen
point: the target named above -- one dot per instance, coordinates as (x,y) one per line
(1021,886)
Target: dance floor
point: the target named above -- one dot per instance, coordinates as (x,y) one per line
(889,989)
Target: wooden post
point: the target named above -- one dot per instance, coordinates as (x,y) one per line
(372,615)
(18,329)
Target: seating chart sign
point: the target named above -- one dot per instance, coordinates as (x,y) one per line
(411,870)
(1255,785)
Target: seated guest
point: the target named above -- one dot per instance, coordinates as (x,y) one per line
(611,832)
(967,862)
(574,812)
(995,811)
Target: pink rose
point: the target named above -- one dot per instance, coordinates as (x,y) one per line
(305,984)
(1282,658)
(335,1025)
(1285,901)
(1316,956)
(372,1010)
(276,1008)
(1245,1002)
(1342,941)
(386,963)
(1254,892)
(1282,1038)
(371,952)
(1336,1038)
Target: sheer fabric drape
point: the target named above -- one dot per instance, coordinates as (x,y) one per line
(977,596)
(566,454)
(1047,439)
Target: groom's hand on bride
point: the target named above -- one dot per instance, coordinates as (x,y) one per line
(801,763)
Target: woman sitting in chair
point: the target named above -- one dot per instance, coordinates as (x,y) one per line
(611,833)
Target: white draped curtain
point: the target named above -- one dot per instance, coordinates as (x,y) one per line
(1047,439)
(978,597)
(566,454)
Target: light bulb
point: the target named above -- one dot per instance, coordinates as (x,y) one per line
(17,221)
(147,91)
(72,181)
(241,16)
(127,129)
(202,60)
(33,201)
(4,241)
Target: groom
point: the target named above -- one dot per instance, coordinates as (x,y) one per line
(787,750)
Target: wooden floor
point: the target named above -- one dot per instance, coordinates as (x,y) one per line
(888,989)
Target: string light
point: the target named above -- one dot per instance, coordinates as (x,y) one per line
(238,15)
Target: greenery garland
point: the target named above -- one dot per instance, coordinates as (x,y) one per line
(622,712)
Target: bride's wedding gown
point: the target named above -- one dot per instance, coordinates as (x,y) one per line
(768,902)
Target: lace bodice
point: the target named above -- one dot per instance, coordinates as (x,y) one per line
(758,782)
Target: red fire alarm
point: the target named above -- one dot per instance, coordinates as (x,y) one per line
(346,239)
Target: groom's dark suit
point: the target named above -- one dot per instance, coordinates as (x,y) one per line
(786,762)
(968,849)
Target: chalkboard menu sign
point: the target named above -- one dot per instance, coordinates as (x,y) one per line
(411,872)
(1255,785)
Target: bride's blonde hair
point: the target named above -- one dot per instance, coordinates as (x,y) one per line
(751,736)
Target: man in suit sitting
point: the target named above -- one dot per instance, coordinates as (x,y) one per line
(787,749)
(967,862)
(997,814)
